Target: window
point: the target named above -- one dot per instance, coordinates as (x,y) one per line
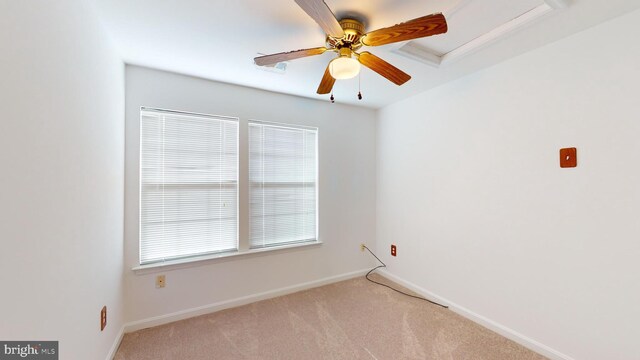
(282,184)
(188,185)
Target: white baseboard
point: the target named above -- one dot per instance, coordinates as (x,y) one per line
(477,318)
(116,344)
(206,309)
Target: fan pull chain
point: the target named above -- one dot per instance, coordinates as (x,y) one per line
(359,93)
(333,99)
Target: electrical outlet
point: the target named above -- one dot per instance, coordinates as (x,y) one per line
(393,250)
(103,318)
(362,247)
(160,281)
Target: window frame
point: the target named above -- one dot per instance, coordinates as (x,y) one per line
(317,180)
(186,258)
(242,200)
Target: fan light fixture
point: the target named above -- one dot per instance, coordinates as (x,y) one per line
(344,67)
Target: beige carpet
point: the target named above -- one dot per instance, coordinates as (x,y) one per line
(353,319)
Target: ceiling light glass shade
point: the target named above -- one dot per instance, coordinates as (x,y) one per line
(344,68)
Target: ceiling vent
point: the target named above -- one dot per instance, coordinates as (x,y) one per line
(419,53)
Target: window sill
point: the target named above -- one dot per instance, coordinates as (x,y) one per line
(208,259)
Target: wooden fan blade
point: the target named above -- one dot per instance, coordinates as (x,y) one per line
(326,84)
(285,56)
(320,12)
(421,27)
(383,68)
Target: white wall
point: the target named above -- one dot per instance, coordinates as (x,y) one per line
(470,189)
(61,183)
(346,200)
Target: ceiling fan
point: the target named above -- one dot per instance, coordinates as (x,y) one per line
(347,36)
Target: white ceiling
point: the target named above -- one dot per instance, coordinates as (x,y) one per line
(218,39)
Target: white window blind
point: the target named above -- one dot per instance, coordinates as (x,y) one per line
(188,185)
(282,184)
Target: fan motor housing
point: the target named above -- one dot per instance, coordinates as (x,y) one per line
(353,31)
